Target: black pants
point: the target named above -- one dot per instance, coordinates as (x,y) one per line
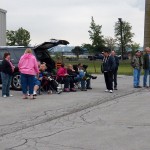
(67,81)
(115,78)
(109,80)
(88,83)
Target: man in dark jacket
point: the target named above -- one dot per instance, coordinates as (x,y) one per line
(146,66)
(113,54)
(108,66)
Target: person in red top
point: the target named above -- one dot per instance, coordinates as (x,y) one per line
(63,77)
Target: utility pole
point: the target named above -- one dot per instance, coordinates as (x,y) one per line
(121,23)
(147,24)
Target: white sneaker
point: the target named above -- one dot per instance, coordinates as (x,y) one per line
(110,91)
(28,93)
(106,90)
(4,96)
(11,95)
(34,93)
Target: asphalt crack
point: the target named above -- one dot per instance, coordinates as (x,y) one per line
(65,112)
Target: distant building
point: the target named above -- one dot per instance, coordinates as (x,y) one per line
(2,27)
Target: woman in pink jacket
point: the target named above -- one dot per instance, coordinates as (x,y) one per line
(28,67)
(63,77)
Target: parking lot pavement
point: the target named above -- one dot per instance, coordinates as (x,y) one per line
(89,120)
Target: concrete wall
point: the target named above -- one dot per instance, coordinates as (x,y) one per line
(2,27)
(147,24)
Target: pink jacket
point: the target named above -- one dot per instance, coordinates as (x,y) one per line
(28,64)
(61,72)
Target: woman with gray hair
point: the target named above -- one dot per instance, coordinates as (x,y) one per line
(28,67)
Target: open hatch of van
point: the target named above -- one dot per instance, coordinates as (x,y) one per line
(50,44)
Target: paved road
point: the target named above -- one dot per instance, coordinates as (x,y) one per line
(92,120)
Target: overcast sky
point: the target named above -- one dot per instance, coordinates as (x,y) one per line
(70,19)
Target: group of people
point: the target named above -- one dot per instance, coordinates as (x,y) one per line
(34,75)
(138,62)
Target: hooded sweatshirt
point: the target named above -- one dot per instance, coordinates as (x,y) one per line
(28,64)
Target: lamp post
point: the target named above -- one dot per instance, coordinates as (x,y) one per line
(120,21)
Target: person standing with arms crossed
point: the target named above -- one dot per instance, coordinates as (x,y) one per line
(107,67)
(6,75)
(146,67)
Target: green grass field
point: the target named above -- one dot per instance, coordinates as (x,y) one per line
(94,66)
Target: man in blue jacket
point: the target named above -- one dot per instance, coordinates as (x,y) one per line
(108,66)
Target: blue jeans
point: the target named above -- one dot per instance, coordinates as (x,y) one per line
(136,77)
(79,79)
(146,73)
(6,81)
(27,82)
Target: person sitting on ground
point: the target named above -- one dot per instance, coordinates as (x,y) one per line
(63,76)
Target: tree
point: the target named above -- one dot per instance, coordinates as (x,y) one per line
(134,47)
(21,37)
(123,28)
(77,51)
(10,35)
(88,47)
(110,42)
(96,36)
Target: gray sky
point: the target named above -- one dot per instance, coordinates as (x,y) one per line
(70,19)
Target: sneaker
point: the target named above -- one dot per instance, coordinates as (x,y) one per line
(49,92)
(59,90)
(34,93)
(106,90)
(139,86)
(72,90)
(94,77)
(10,95)
(146,86)
(110,91)
(4,96)
(89,88)
(82,89)
(115,88)
(28,93)
(66,90)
